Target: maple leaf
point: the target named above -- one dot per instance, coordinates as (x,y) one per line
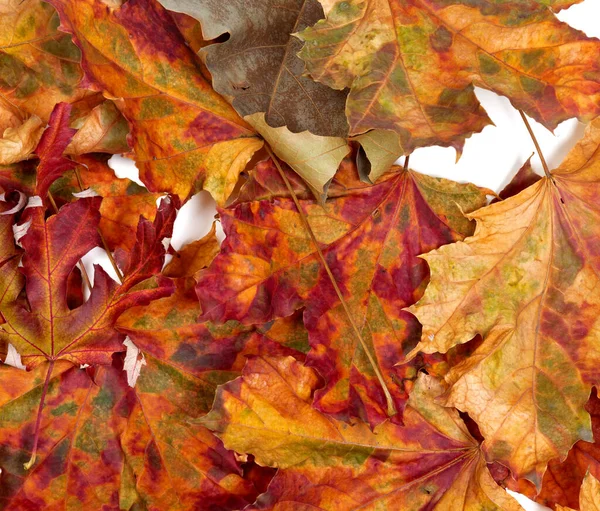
(411,66)
(527,282)
(257,67)
(185,136)
(105,445)
(44,329)
(432,462)
(49,330)
(40,66)
(370,237)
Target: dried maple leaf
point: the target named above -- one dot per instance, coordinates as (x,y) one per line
(49,330)
(527,281)
(40,65)
(257,66)
(185,136)
(106,446)
(411,65)
(370,237)
(430,463)
(44,330)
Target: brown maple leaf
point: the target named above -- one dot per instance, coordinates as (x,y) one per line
(257,67)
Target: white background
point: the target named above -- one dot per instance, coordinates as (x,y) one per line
(490,158)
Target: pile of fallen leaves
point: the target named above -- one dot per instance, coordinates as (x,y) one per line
(365,337)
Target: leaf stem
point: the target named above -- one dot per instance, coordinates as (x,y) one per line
(391,409)
(84,274)
(406,160)
(38,421)
(537,146)
(104,243)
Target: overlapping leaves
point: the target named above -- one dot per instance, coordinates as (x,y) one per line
(430,463)
(370,237)
(411,66)
(283,369)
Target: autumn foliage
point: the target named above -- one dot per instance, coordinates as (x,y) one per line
(365,336)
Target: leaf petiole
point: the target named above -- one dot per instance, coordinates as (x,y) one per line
(537,146)
(38,421)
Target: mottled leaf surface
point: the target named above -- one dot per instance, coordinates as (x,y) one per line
(527,281)
(104,445)
(370,237)
(79,458)
(47,329)
(206,354)
(186,361)
(411,65)
(39,66)
(430,463)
